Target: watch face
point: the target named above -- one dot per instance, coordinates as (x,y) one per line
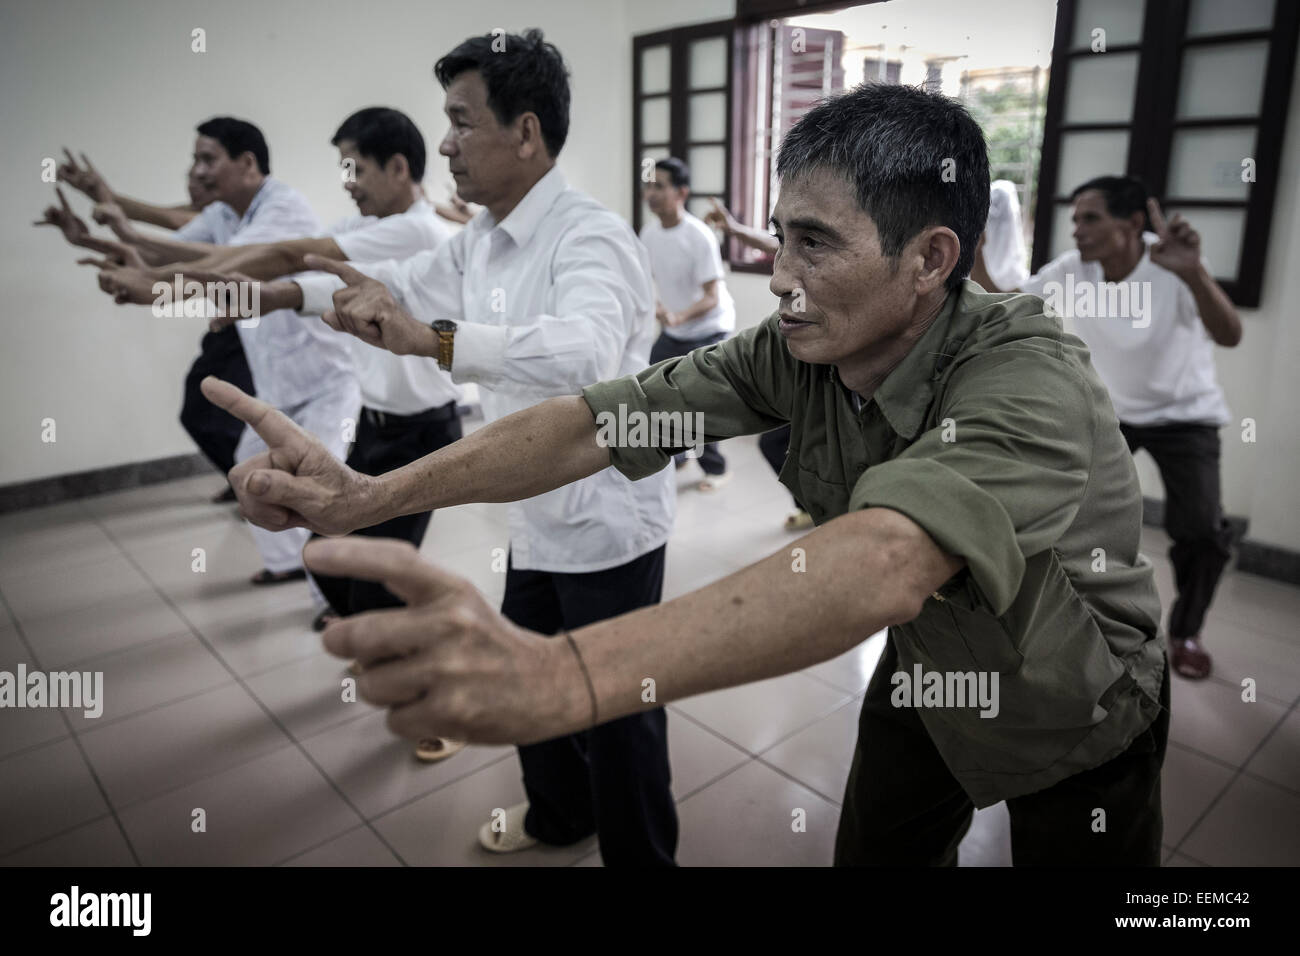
(444,325)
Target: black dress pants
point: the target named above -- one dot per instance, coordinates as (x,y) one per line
(214,429)
(385,442)
(902,806)
(1188,459)
(612,780)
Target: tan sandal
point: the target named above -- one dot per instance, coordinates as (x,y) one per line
(509,838)
(433,749)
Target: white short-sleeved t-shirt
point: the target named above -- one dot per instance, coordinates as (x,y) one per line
(395,384)
(683,259)
(1153,353)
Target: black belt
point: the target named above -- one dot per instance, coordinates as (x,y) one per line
(443,413)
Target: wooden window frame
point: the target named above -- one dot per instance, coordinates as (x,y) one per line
(678,41)
(1153,124)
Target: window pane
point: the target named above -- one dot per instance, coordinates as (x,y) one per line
(1062,230)
(708,168)
(708,62)
(1221,231)
(1121,19)
(654,120)
(1085,155)
(1206,163)
(1100,88)
(698,205)
(1225,80)
(654,69)
(1215,16)
(708,116)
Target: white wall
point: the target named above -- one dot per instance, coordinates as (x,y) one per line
(119,81)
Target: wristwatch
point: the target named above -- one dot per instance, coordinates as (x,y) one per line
(446,330)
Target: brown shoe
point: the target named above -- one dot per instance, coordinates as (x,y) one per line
(1189,659)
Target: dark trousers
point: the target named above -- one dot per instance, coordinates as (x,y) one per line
(612,780)
(385,442)
(213,429)
(902,807)
(1188,459)
(667,347)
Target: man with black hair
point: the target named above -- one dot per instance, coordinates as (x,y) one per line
(300,368)
(220,352)
(543,292)
(694,307)
(1159,369)
(962,462)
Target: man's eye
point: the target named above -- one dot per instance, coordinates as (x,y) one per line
(810,243)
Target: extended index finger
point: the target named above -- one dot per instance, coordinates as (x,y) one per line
(1157,217)
(396,564)
(337,266)
(276,428)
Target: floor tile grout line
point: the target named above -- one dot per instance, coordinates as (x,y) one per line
(338,836)
(85,757)
(107,814)
(1237,774)
(249,691)
(442,786)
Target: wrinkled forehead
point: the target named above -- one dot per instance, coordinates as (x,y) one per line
(821,195)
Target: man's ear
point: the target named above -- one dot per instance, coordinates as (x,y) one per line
(529,129)
(938,249)
(1138,220)
(397,167)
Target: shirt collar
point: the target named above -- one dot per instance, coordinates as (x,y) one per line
(523,221)
(907,392)
(264,191)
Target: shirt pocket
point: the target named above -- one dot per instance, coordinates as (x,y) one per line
(822,499)
(983,642)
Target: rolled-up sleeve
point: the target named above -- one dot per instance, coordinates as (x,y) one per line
(741,386)
(1003,473)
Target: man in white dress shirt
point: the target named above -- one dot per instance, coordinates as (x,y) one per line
(1148,307)
(694,306)
(301,368)
(542,293)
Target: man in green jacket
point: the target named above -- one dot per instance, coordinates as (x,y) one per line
(960,457)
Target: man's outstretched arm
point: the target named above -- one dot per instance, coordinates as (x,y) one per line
(448,664)
(298,483)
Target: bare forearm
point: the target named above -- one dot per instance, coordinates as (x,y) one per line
(274,259)
(697,309)
(169,217)
(157,250)
(754,238)
(522,455)
(766,620)
(1215,308)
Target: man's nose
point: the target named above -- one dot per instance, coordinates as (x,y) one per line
(784,280)
(448,146)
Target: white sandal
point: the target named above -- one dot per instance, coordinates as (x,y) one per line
(512,839)
(433,749)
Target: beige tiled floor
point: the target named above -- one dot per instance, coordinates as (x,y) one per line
(219,698)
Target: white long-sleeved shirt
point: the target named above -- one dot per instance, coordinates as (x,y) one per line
(552,298)
(396,384)
(292,361)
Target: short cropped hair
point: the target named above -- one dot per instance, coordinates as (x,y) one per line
(237,137)
(678,172)
(915,159)
(523,74)
(1124,195)
(382,133)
